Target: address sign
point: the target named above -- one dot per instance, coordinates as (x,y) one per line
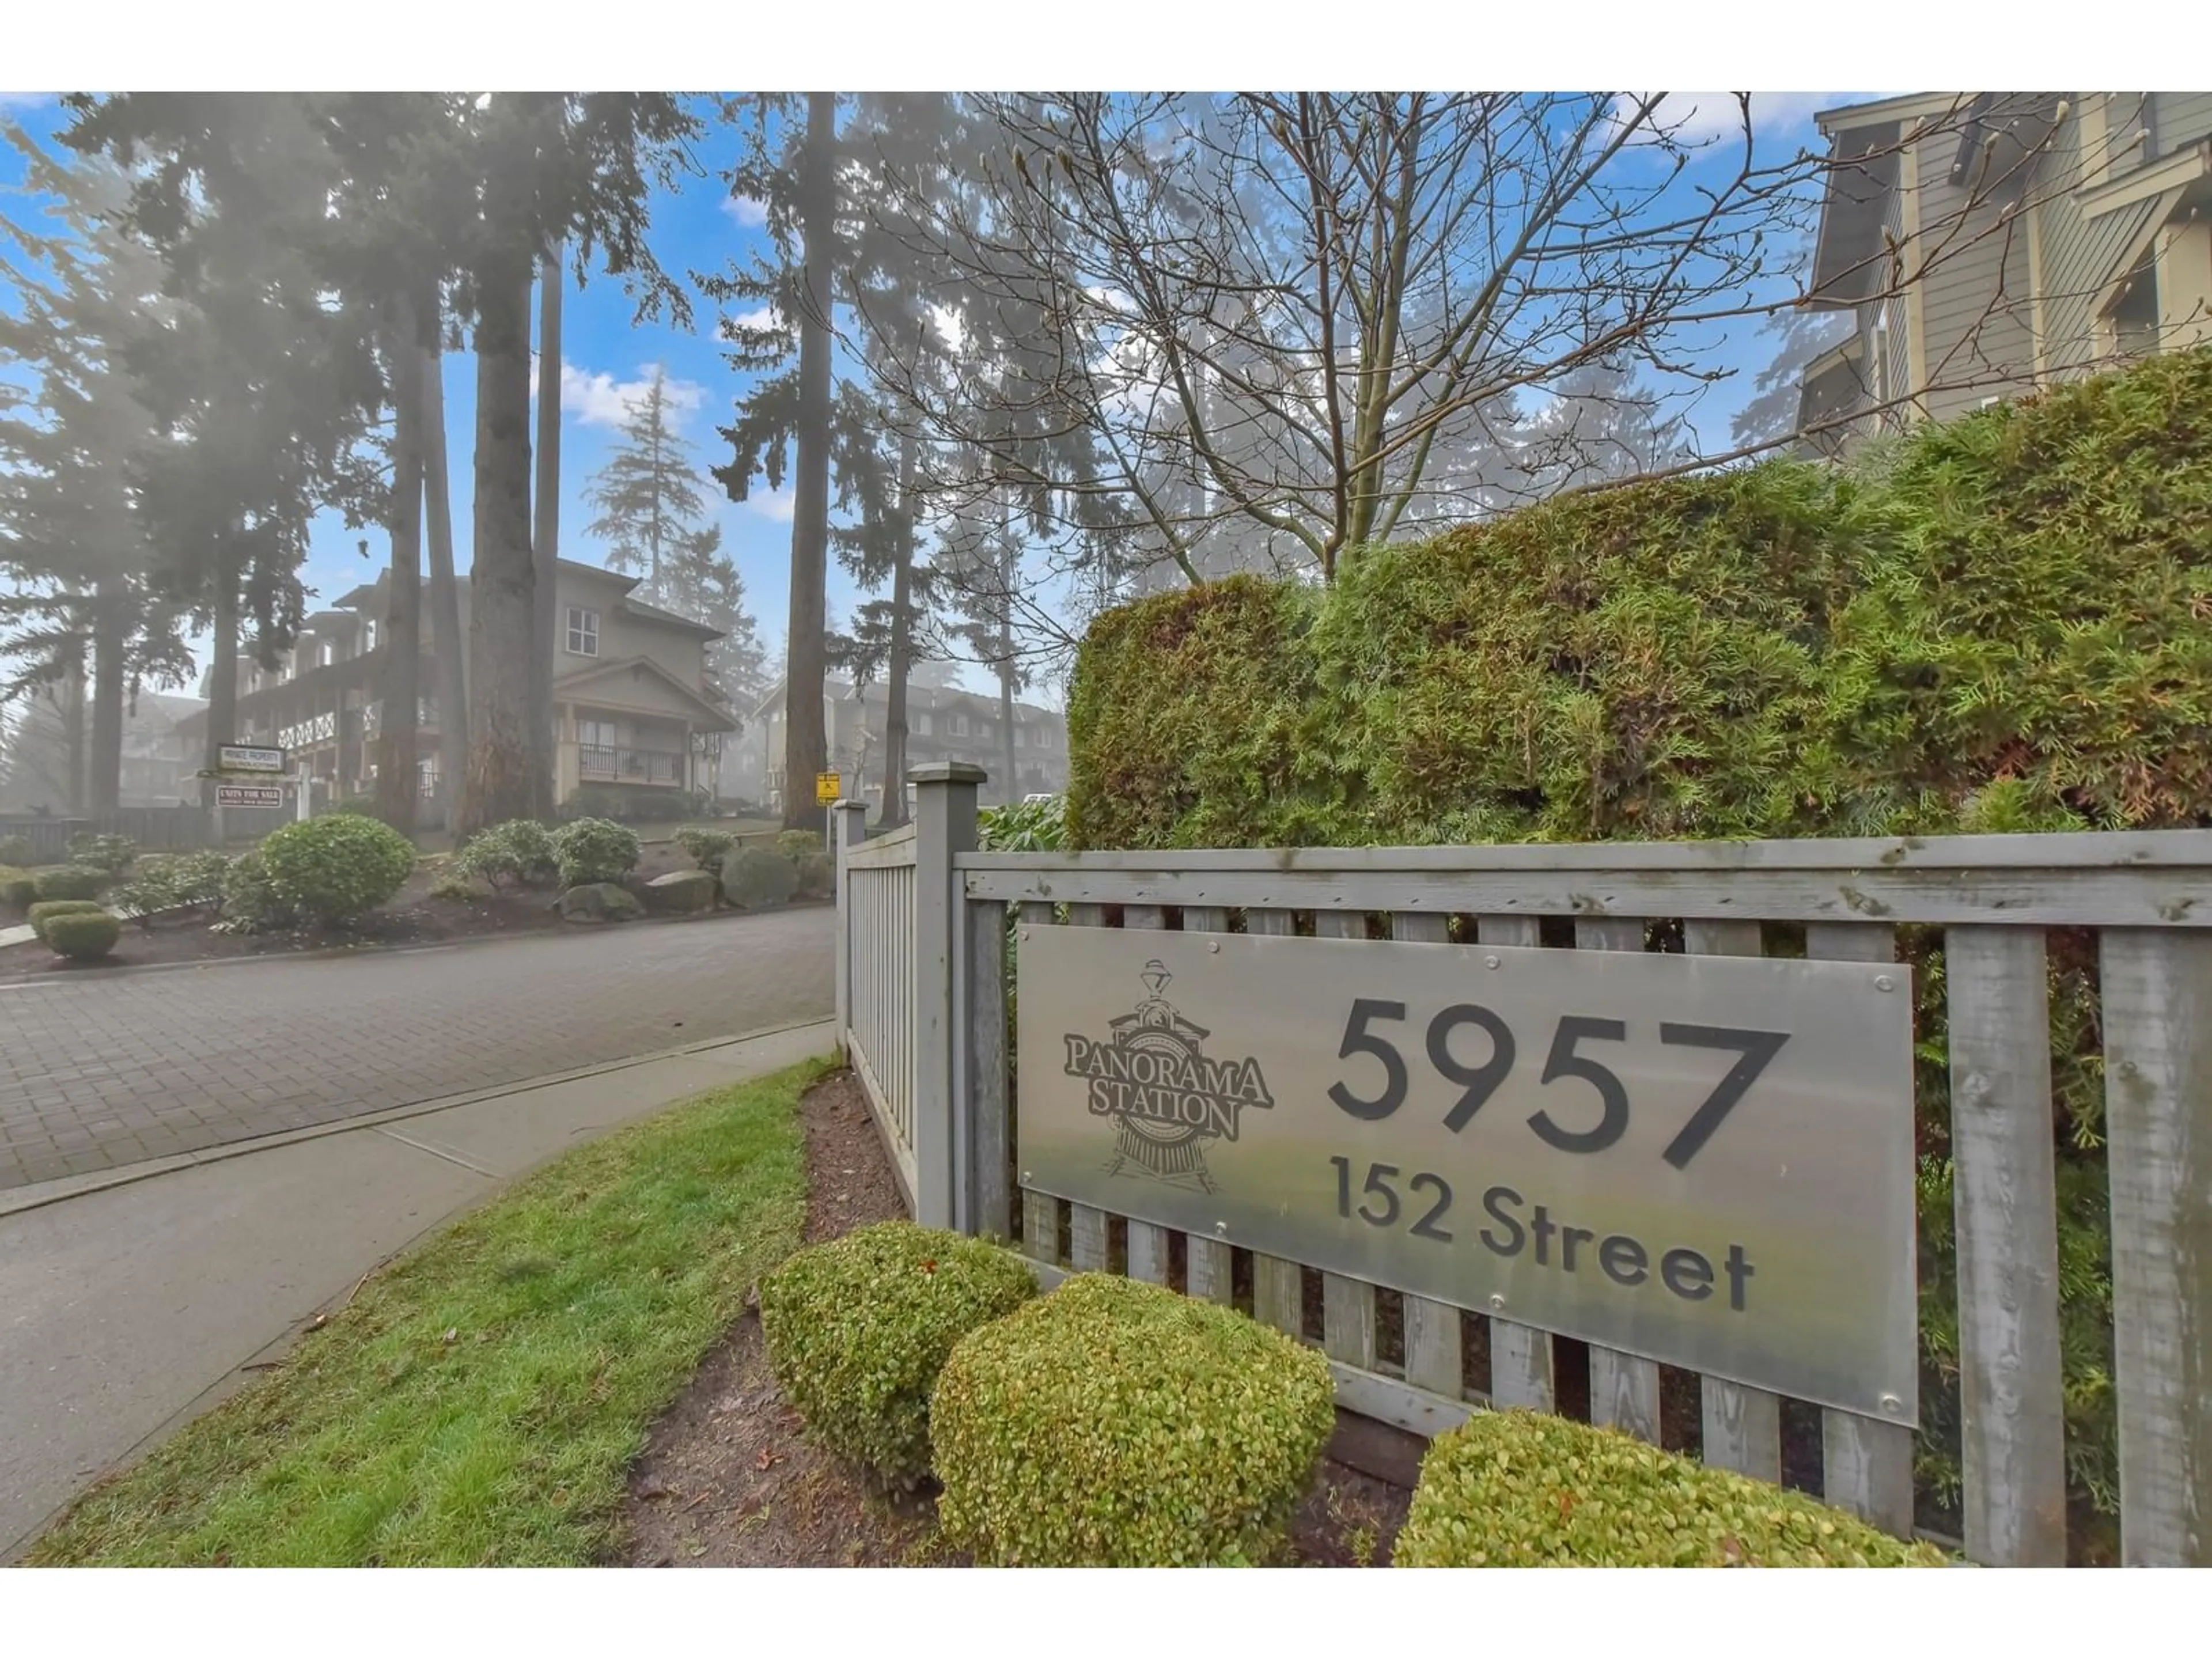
(1704,1160)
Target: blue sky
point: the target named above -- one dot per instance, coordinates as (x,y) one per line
(607,354)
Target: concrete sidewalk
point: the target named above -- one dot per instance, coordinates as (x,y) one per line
(128,1308)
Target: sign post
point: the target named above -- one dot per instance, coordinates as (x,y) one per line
(247,775)
(1705,1161)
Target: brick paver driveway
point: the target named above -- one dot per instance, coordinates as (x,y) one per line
(101,1072)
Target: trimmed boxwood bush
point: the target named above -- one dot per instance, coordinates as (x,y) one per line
(15,851)
(705,847)
(593,850)
(45,909)
(1115,1423)
(520,852)
(757,878)
(335,869)
(857,1329)
(68,881)
(18,891)
(83,936)
(1525,1489)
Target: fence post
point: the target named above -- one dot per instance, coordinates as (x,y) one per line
(944,828)
(848,825)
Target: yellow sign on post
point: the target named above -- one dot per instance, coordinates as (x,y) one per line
(827,787)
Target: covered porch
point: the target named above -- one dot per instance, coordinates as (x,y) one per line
(632,725)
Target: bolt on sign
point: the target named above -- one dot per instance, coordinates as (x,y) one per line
(829,787)
(1707,1161)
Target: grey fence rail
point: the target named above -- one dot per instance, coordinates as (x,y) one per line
(2147,896)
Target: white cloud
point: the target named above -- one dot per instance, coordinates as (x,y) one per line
(749,211)
(601,400)
(780,505)
(758,316)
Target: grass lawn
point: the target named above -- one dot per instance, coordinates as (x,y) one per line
(479,1402)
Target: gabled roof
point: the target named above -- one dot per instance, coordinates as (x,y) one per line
(1847,255)
(714,718)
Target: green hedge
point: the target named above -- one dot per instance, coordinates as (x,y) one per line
(19,890)
(858,1329)
(758,879)
(1524,1489)
(334,870)
(82,936)
(1994,625)
(68,881)
(1115,1423)
(41,912)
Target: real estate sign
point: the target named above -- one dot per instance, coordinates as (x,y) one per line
(249,794)
(1706,1161)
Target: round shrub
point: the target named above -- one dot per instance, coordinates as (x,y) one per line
(15,851)
(45,909)
(858,1329)
(705,847)
(18,891)
(335,869)
(1115,1424)
(757,878)
(83,936)
(817,875)
(593,850)
(519,852)
(1525,1489)
(68,881)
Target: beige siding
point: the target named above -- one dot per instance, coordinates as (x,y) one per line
(623,636)
(1974,303)
(2181,119)
(2081,255)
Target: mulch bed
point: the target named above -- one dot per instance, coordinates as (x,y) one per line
(413,917)
(730,1480)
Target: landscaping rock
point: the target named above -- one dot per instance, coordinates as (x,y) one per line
(681,892)
(599,901)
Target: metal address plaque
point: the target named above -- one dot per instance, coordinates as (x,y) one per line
(1707,1161)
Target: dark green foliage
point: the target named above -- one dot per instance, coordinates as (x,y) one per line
(758,879)
(2005,625)
(19,888)
(1118,1423)
(705,847)
(1527,1489)
(518,852)
(41,912)
(83,936)
(15,851)
(593,850)
(251,901)
(858,1329)
(68,881)
(113,854)
(335,869)
(1030,826)
(180,881)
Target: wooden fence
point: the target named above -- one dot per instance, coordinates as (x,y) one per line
(155,828)
(941,944)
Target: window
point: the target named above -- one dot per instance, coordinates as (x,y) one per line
(921,724)
(956,725)
(599,734)
(583,632)
(369,634)
(1021,736)
(2134,314)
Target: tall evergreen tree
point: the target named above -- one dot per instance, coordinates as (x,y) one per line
(649,489)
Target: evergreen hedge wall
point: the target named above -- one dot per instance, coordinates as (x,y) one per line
(2000,623)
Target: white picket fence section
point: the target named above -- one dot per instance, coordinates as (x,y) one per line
(922,983)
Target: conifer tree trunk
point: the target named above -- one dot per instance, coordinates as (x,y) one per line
(104,783)
(546,541)
(400,682)
(444,591)
(892,813)
(222,677)
(806,746)
(502,578)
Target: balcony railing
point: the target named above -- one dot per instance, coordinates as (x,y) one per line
(624,764)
